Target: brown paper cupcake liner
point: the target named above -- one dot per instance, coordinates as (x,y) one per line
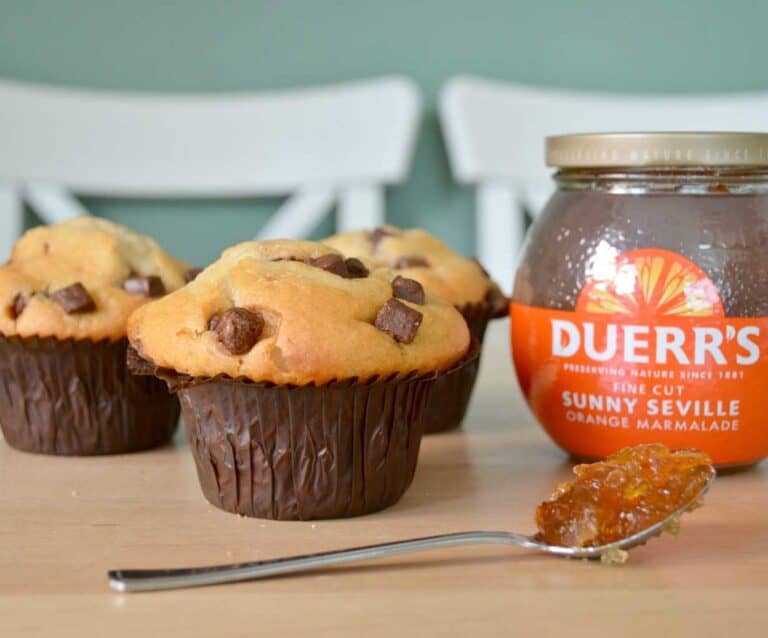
(341,449)
(77,397)
(448,403)
(478,315)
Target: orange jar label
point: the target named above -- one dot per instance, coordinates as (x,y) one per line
(648,355)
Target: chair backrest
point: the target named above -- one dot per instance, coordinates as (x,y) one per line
(495,132)
(322,145)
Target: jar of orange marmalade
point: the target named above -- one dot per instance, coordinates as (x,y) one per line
(640,306)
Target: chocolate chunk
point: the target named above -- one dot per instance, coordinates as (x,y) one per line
(481,267)
(355,269)
(17,305)
(408,289)
(239,329)
(74,299)
(146,286)
(137,364)
(192,274)
(398,320)
(498,302)
(331,262)
(410,262)
(377,234)
(351,268)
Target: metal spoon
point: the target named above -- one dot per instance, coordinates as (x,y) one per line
(130,580)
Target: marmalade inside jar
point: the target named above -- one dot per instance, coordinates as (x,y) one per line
(716,219)
(621,496)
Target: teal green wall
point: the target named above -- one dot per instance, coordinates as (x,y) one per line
(643,45)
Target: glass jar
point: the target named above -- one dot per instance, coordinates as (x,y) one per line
(640,306)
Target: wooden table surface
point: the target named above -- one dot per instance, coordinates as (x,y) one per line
(65,521)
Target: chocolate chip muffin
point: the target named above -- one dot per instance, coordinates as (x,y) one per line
(65,297)
(303,376)
(421,257)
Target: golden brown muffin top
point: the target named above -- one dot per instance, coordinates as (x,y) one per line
(418,255)
(298,312)
(81,279)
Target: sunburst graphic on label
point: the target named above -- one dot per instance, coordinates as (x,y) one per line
(648,283)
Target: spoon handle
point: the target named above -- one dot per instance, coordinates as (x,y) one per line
(130,580)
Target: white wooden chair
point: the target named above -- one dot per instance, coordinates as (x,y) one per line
(333,146)
(495,132)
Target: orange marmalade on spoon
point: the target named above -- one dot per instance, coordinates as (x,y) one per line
(621,496)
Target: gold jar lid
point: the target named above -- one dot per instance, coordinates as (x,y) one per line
(597,150)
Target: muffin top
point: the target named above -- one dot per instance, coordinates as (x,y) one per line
(81,279)
(418,255)
(297,312)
